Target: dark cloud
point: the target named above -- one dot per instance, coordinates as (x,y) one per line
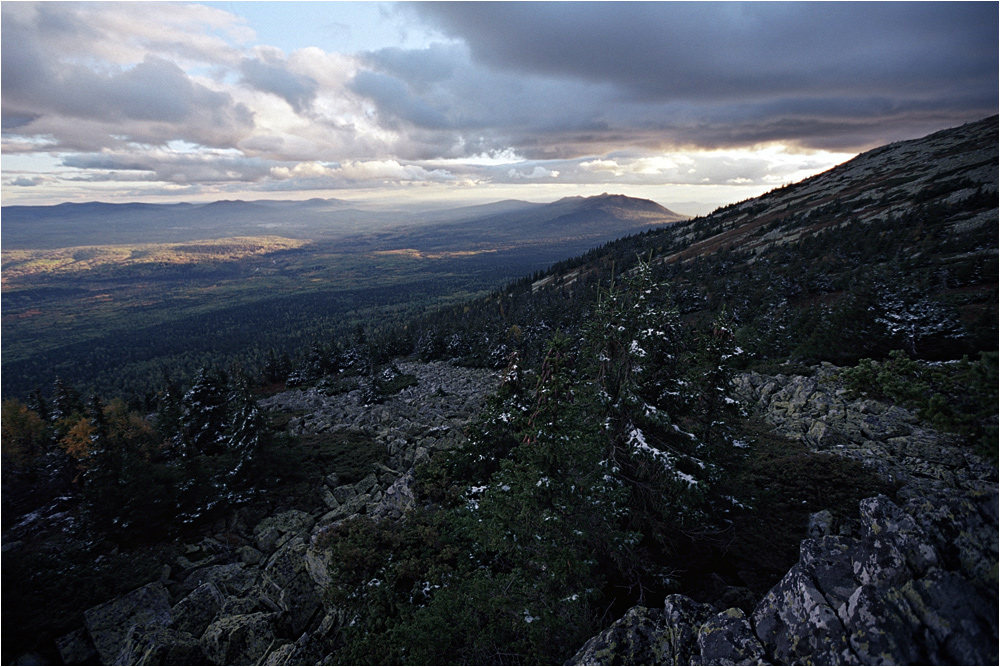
(665,50)
(880,69)
(272,76)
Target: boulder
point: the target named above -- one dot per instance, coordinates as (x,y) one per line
(684,632)
(75,648)
(199,608)
(291,585)
(397,500)
(240,640)
(111,624)
(159,646)
(727,639)
(274,531)
(232,579)
(637,638)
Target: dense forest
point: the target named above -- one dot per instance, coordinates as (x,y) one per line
(612,465)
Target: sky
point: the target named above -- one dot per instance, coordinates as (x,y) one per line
(693,105)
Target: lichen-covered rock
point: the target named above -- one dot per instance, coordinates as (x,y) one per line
(682,619)
(110,624)
(727,639)
(318,561)
(291,586)
(75,648)
(199,608)
(274,531)
(684,632)
(159,646)
(232,579)
(892,596)
(240,640)
(797,623)
(888,439)
(397,499)
(637,638)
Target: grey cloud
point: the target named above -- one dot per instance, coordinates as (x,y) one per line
(682,73)
(711,50)
(396,100)
(273,77)
(170,168)
(46,92)
(23,182)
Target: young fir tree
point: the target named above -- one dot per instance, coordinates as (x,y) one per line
(648,394)
(65,400)
(246,427)
(203,421)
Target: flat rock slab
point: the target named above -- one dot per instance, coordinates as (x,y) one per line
(110,624)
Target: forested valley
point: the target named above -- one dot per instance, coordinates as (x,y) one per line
(613,464)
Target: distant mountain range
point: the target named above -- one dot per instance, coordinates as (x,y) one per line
(600,218)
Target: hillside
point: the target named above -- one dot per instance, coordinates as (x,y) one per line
(895,249)
(765,435)
(104,295)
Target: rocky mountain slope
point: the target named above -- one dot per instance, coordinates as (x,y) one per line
(889,181)
(911,580)
(911,577)
(908,582)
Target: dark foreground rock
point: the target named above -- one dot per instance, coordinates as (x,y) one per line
(915,581)
(913,588)
(916,584)
(259,600)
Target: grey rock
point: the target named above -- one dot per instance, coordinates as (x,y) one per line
(635,639)
(110,624)
(274,531)
(159,646)
(199,608)
(249,556)
(727,639)
(232,579)
(682,619)
(292,586)
(318,561)
(397,500)
(75,648)
(240,640)
(820,524)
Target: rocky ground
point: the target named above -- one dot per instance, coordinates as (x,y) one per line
(914,580)
(262,602)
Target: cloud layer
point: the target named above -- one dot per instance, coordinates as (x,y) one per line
(157,97)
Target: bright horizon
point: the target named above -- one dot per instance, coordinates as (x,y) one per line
(692,105)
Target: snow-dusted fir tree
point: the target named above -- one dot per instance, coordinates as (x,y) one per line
(246,426)
(915,320)
(203,421)
(647,396)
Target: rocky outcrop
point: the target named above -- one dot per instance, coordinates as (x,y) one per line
(916,587)
(684,632)
(260,600)
(411,425)
(888,439)
(916,583)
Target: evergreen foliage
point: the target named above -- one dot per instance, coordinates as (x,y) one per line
(567,493)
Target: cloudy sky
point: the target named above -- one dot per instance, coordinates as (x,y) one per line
(691,104)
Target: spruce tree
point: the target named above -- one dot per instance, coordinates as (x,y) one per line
(246,426)
(203,421)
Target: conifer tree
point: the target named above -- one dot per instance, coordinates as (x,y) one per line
(246,426)
(203,421)
(66,400)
